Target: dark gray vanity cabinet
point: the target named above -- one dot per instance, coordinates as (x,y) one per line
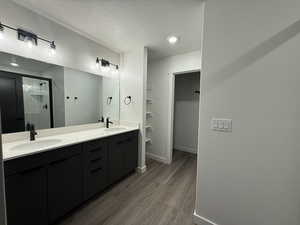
(123,155)
(95,167)
(42,188)
(65,181)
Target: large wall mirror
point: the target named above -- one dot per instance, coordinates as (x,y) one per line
(51,96)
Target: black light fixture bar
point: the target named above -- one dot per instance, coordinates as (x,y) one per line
(22,34)
(105,63)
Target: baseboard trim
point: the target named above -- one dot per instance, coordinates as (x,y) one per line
(141,169)
(157,158)
(185,149)
(199,220)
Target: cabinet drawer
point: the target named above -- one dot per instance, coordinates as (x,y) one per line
(95,160)
(95,146)
(64,153)
(24,164)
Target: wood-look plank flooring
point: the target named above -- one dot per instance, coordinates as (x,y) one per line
(164,195)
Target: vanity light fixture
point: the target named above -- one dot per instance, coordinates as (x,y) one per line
(30,38)
(106,66)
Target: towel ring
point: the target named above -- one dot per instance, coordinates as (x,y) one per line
(127,100)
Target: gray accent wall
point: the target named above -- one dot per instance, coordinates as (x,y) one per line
(84,86)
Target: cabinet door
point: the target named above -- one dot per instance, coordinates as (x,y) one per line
(26,197)
(130,152)
(116,158)
(123,155)
(65,186)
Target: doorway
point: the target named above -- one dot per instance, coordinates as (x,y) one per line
(185,113)
(25,99)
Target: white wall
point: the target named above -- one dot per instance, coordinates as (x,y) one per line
(160,73)
(186,112)
(133,80)
(251,75)
(85,87)
(110,88)
(73,50)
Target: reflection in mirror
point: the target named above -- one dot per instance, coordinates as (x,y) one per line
(47,95)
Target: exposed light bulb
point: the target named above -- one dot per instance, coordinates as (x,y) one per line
(52,48)
(29,44)
(97,63)
(52,51)
(1,31)
(115,71)
(105,69)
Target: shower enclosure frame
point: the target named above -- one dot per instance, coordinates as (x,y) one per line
(50,94)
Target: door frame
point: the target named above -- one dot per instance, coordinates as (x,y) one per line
(171,109)
(50,91)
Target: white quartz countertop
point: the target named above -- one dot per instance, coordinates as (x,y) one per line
(22,148)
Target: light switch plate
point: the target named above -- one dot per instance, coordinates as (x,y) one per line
(223,125)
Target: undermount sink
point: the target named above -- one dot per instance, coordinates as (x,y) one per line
(36,145)
(115,129)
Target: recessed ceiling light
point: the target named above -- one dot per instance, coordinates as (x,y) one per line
(173,40)
(14,64)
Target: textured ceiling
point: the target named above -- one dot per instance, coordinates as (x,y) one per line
(126,24)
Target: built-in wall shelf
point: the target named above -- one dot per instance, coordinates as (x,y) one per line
(149,114)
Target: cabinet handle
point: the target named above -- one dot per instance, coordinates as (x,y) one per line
(124,141)
(96,160)
(96,170)
(31,170)
(96,150)
(120,142)
(59,161)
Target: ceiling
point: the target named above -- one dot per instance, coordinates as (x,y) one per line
(123,25)
(25,64)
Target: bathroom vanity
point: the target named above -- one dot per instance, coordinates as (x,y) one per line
(46,182)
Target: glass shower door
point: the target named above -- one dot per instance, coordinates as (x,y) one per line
(37,110)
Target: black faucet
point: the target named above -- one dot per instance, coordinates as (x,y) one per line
(108,122)
(32,131)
